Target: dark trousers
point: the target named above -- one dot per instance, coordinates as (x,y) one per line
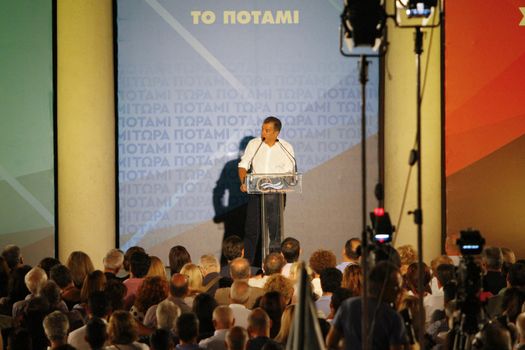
(252,236)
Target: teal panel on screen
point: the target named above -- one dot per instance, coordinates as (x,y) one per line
(27,199)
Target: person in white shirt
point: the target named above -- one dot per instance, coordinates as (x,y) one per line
(290,249)
(97,308)
(331,279)
(222,321)
(350,253)
(239,296)
(265,155)
(273,263)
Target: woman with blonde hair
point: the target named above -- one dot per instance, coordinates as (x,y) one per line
(286,325)
(194,274)
(353,279)
(80,265)
(123,333)
(157,268)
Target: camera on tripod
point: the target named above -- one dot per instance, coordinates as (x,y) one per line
(469,286)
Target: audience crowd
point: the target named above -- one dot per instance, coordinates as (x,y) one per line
(138,303)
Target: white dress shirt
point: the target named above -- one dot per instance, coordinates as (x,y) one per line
(268,160)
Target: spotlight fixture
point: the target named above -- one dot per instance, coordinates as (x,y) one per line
(363,22)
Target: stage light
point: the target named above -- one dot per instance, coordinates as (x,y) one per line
(363,22)
(420,8)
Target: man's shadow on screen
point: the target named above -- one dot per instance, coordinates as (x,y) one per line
(229,202)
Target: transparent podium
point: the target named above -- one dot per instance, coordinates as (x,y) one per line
(275,185)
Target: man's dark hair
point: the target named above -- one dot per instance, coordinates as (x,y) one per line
(129,253)
(47,264)
(61,275)
(349,252)
(445,273)
(277,125)
(290,249)
(493,258)
(96,333)
(115,292)
(12,255)
(516,275)
(331,279)
(232,247)
(203,306)
(51,292)
(382,271)
(273,263)
(161,339)
(98,305)
(188,327)
(338,296)
(386,252)
(139,264)
(178,257)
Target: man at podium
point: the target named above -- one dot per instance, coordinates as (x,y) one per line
(265,155)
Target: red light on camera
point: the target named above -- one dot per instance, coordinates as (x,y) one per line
(379,211)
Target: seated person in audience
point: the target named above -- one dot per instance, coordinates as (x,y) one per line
(47,264)
(389,329)
(178,257)
(273,304)
(509,258)
(127,258)
(98,308)
(156,268)
(286,325)
(68,291)
(408,255)
(222,321)
(194,281)
(95,281)
(188,328)
(210,274)
(203,307)
(436,301)
(239,295)
(32,319)
(161,339)
(240,271)
(80,265)
(151,292)
(411,280)
(331,279)
(273,264)
(320,260)
(351,253)
(16,290)
(493,280)
(95,334)
(115,292)
(123,333)
(51,293)
(56,327)
(434,264)
(515,279)
(167,314)
(113,262)
(232,248)
(338,296)
(178,291)
(236,338)
(290,250)
(281,284)
(34,280)
(12,256)
(139,263)
(353,279)
(493,336)
(259,325)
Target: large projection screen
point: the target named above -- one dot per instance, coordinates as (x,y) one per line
(485,120)
(195,81)
(27,181)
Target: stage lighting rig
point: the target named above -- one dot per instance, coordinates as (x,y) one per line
(362,25)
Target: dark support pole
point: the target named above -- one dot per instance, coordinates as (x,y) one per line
(363,79)
(418,212)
